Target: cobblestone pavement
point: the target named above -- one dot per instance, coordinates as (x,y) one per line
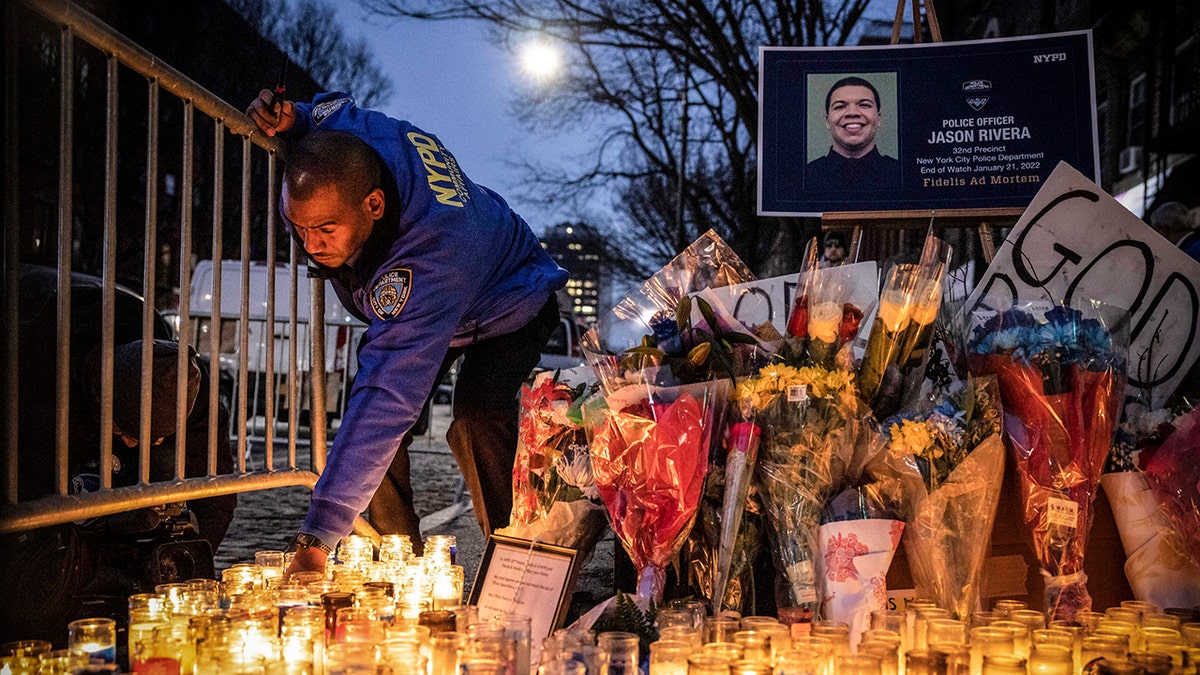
(267,519)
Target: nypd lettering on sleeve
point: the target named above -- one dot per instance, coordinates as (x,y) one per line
(390,292)
(442,173)
(326,108)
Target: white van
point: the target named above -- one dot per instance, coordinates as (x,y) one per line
(342,333)
(563,350)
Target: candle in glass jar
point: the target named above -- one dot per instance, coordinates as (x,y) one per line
(1050,659)
(448,587)
(94,638)
(669,657)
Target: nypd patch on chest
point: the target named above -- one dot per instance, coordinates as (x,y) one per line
(390,292)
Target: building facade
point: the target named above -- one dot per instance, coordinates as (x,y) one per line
(579,249)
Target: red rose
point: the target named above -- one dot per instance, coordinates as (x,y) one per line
(851,318)
(798,322)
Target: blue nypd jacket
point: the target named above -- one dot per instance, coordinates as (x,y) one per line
(450,263)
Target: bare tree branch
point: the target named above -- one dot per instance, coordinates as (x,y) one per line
(309,32)
(632,66)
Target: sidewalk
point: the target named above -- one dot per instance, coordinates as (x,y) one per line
(267,519)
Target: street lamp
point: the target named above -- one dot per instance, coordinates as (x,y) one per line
(541,60)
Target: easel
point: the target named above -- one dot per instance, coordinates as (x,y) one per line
(916,219)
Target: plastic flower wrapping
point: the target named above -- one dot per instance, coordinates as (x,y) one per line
(1173,473)
(893,365)
(1061,374)
(730,538)
(810,421)
(950,460)
(665,358)
(650,457)
(1157,563)
(670,331)
(555,498)
(828,311)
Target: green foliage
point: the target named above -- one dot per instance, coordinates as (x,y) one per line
(629,618)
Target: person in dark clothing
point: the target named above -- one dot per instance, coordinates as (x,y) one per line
(440,267)
(834,251)
(55,567)
(853,116)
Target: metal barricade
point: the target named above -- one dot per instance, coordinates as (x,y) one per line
(122,55)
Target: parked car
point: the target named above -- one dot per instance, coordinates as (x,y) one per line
(563,350)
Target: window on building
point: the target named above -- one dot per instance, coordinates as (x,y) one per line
(1136,127)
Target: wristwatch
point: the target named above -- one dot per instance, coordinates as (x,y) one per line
(306,540)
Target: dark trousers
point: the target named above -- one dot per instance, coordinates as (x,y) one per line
(483,435)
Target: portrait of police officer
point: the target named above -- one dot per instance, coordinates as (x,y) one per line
(853,117)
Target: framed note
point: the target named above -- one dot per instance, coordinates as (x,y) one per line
(517,576)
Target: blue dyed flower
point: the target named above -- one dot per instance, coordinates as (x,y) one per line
(1060,338)
(1009,339)
(982,343)
(666,334)
(946,408)
(1095,339)
(1001,332)
(1061,314)
(949,426)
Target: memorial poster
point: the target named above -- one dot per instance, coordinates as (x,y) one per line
(976,124)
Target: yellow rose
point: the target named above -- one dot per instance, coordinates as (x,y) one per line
(893,309)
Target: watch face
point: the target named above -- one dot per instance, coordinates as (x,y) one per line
(309,541)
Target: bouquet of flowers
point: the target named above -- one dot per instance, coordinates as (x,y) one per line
(951,458)
(669,331)
(828,311)
(1173,472)
(809,420)
(1061,376)
(1157,564)
(857,540)
(555,499)
(894,361)
(736,541)
(656,356)
(649,449)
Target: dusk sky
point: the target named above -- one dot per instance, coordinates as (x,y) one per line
(451,81)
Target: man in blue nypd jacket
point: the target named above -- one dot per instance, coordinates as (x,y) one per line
(440,268)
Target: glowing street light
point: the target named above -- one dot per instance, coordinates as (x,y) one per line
(541,60)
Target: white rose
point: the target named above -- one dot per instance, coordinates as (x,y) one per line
(824,321)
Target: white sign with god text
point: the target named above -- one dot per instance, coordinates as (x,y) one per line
(1075,242)
(771,299)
